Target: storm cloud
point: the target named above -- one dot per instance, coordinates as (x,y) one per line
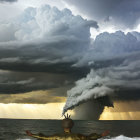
(38,47)
(38,41)
(8,0)
(21,82)
(110,11)
(37,37)
(115,72)
(48,49)
(111,48)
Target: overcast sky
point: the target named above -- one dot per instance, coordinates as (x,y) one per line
(80,49)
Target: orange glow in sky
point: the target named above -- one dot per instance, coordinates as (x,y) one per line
(32,111)
(122,111)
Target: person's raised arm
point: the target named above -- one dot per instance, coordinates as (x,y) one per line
(95,136)
(28,133)
(105,133)
(37,136)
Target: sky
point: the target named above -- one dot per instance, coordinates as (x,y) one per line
(62,55)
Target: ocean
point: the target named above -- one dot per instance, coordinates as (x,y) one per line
(14,129)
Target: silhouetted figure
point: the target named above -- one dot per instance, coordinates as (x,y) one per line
(67,125)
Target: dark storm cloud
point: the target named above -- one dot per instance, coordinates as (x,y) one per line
(43,58)
(45,48)
(124,13)
(40,41)
(127,95)
(8,0)
(21,82)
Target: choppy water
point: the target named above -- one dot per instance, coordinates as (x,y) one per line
(119,130)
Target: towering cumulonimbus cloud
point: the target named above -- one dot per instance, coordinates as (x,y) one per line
(44,32)
(38,42)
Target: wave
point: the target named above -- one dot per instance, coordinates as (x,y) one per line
(121,137)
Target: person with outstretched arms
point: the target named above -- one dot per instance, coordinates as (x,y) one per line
(67,125)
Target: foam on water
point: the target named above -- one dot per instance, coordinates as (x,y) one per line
(121,137)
